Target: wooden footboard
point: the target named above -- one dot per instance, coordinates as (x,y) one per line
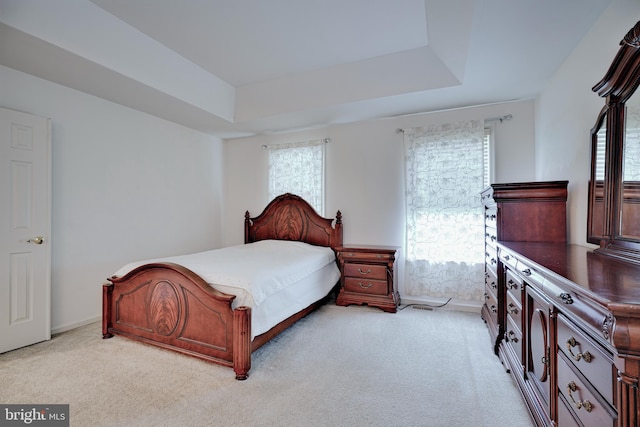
(169,306)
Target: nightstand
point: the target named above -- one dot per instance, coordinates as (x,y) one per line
(367,276)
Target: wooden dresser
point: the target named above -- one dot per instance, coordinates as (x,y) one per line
(368,276)
(532,212)
(567,318)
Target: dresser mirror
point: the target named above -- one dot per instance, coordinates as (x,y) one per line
(596,185)
(630,188)
(614,187)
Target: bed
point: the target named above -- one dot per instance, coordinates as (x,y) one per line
(165,303)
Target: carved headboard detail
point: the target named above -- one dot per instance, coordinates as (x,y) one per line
(289,217)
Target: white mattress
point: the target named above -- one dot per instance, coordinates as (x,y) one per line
(276,278)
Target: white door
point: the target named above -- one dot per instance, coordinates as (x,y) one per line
(25,229)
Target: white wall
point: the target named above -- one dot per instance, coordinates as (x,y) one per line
(567,109)
(126,186)
(365,170)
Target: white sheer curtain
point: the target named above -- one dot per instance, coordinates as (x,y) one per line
(445,231)
(298,168)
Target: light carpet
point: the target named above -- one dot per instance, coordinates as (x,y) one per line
(340,366)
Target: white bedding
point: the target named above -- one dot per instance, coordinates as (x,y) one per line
(276,278)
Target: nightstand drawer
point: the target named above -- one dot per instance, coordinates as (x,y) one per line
(367,256)
(365,271)
(373,287)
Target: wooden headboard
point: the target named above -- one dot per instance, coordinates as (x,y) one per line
(289,217)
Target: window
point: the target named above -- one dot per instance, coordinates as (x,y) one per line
(445,173)
(487,158)
(298,168)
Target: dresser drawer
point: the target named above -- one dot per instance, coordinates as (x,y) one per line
(490,235)
(508,258)
(491,280)
(368,271)
(587,357)
(595,319)
(371,287)
(566,416)
(530,274)
(514,284)
(513,338)
(491,258)
(491,302)
(585,403)
(514,309)
(491,215)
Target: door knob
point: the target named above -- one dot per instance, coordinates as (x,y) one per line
(37,240)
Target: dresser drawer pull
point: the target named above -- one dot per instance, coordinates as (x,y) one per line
(512,309)
(507,257)
(364,272)
(493,309)
(586,356)
(512,336)
(566,298)
(365,287)
(493,261)
(572,387)
(512,284)
(526,272)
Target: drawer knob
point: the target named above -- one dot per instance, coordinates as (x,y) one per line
(512,284)
(364,272)
(526,272)
(586,356)
(571,388)
(566,298)
(512,309)
(365,286)
(512,336)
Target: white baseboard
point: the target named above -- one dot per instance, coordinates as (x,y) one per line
(71,326)
(458,305)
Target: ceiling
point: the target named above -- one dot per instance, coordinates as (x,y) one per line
(239,68)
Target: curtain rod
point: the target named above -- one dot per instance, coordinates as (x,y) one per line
(325,140)
(499,119)
(490,119)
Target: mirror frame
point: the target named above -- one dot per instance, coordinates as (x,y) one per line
(617,86)
(596,211)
